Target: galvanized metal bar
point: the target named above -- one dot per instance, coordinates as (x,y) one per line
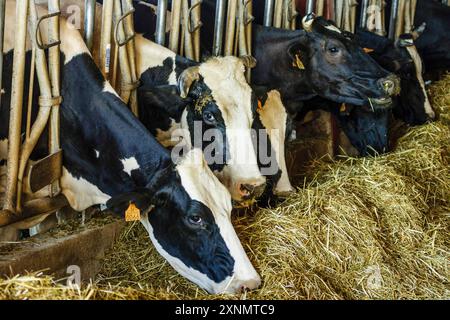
(231,27)
(15,119)
(407,14)
(54,70)
(393,19)
(89,23)
(268,13)
(160,34)
(219,27)
(105,38)
(309,6)
(174,38)
(363,15)
(293,15)
(2,33)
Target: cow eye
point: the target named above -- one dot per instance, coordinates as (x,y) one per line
(333,50)
(195,219)
(209,118)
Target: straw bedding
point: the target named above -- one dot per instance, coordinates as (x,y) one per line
(371,228)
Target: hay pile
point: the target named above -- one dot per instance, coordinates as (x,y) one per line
(373,228)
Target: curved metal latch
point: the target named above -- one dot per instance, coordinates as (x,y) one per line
(248,18)
(116,30)
(191,28)
(36,34)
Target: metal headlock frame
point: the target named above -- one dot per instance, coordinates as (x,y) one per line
(117,47)
(185,24)
(48,113)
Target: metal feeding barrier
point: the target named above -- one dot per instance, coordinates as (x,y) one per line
(47,171)
(185,24)
(117,47)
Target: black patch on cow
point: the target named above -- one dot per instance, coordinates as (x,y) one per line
(199,247)
(158,75)
(203,102)
(159,105)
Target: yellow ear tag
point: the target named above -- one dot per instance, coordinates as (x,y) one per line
(368,50)
(132,213)
(343,107)
(298,63)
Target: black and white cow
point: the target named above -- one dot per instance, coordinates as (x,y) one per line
(177,93)
(110,157)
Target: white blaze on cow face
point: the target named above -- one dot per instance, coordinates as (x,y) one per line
(274,117)
(201,185)
(226,79)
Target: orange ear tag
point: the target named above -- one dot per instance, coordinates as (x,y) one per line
(132,213)
(260,106)
(368,50)
(343,107)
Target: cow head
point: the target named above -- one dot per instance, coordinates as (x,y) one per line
(402,58)
(186,212)
(321,60)
(218,120)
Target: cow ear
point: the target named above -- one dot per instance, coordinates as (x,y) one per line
(297,53)
(186,79)
(141,198)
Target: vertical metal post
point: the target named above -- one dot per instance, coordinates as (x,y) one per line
(219,27)
(197,24)
(393,19)
(231,27)
(160,35)
(278,14)
(268,13)
(309,6)
(15,119)
(363,16)
(2,32)
(89,21)
(175,26)
(319,7)
(105,41)
(400,18)
(54,69)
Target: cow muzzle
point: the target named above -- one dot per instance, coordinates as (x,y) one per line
(251,190)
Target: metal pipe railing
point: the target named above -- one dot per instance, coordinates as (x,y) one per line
(15,119)
(268,13)
(309,6)
(175,26)
(219,27)
(393,19)
(160,34)
(363,15)
(89,23)
(54,70)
